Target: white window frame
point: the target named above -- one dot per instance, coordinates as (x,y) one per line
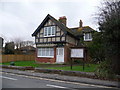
(49,31)
(45,52)
(87,37)
(45,31)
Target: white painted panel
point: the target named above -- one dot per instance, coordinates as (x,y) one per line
(78,53)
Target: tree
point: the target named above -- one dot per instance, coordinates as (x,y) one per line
(17,42)
(21,43)
(109,26)
(26,43)
(9,48)
(95,48)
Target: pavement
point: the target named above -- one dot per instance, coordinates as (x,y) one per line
(65,78)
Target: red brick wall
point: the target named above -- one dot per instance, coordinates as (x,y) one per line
(66,54)
(54,54)
(53,60)
(45,60)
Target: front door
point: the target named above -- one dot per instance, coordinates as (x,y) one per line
(60,55)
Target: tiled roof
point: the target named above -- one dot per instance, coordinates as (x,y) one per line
(81,30)
(71,31)
(58,23)
(85,29)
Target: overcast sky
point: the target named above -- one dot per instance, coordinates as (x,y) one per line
(20,18)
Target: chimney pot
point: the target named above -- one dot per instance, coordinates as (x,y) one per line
(63,20)
(80,23)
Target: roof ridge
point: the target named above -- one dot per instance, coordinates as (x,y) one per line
(58,23)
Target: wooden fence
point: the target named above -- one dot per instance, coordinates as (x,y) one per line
(9,58)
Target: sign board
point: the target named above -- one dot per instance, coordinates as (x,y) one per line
(77,53)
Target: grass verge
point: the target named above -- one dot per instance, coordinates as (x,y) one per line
(88,68)
(23,63)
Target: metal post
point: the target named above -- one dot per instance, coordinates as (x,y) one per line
(71,64)
(84,58)
(83,64)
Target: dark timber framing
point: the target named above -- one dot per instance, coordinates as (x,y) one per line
(59,40)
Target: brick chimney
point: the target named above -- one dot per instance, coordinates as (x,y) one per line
(80,23)
(63,20)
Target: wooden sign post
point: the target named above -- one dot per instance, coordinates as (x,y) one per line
(71,64)
(78,53)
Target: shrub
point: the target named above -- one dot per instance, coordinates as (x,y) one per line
(104,70)
(78,61)
(96,49)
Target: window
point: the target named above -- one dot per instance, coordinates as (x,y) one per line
(53,30)
(45,31)
(49,31)
(87,37)
(45,52)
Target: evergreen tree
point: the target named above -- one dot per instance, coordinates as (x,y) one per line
(9,48)
(109,25)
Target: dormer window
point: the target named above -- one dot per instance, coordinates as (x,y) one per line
(49,31)
(87,37)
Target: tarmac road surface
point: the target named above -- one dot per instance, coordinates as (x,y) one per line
(10,80)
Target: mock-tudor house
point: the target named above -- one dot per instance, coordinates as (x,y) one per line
(86,31)
(53,40)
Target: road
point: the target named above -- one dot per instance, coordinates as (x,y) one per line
(10,80)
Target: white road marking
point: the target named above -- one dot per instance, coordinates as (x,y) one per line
(55,86)
(53,80)
(8,78)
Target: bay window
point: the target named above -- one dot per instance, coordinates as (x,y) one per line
(45,52)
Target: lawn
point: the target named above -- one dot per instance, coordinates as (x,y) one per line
(23,63)
(31,63)
(90,68)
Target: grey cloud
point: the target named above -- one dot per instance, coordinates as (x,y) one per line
(22,18)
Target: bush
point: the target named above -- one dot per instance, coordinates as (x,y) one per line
(96,49)
(104,70)
(109,26)
(78,61)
